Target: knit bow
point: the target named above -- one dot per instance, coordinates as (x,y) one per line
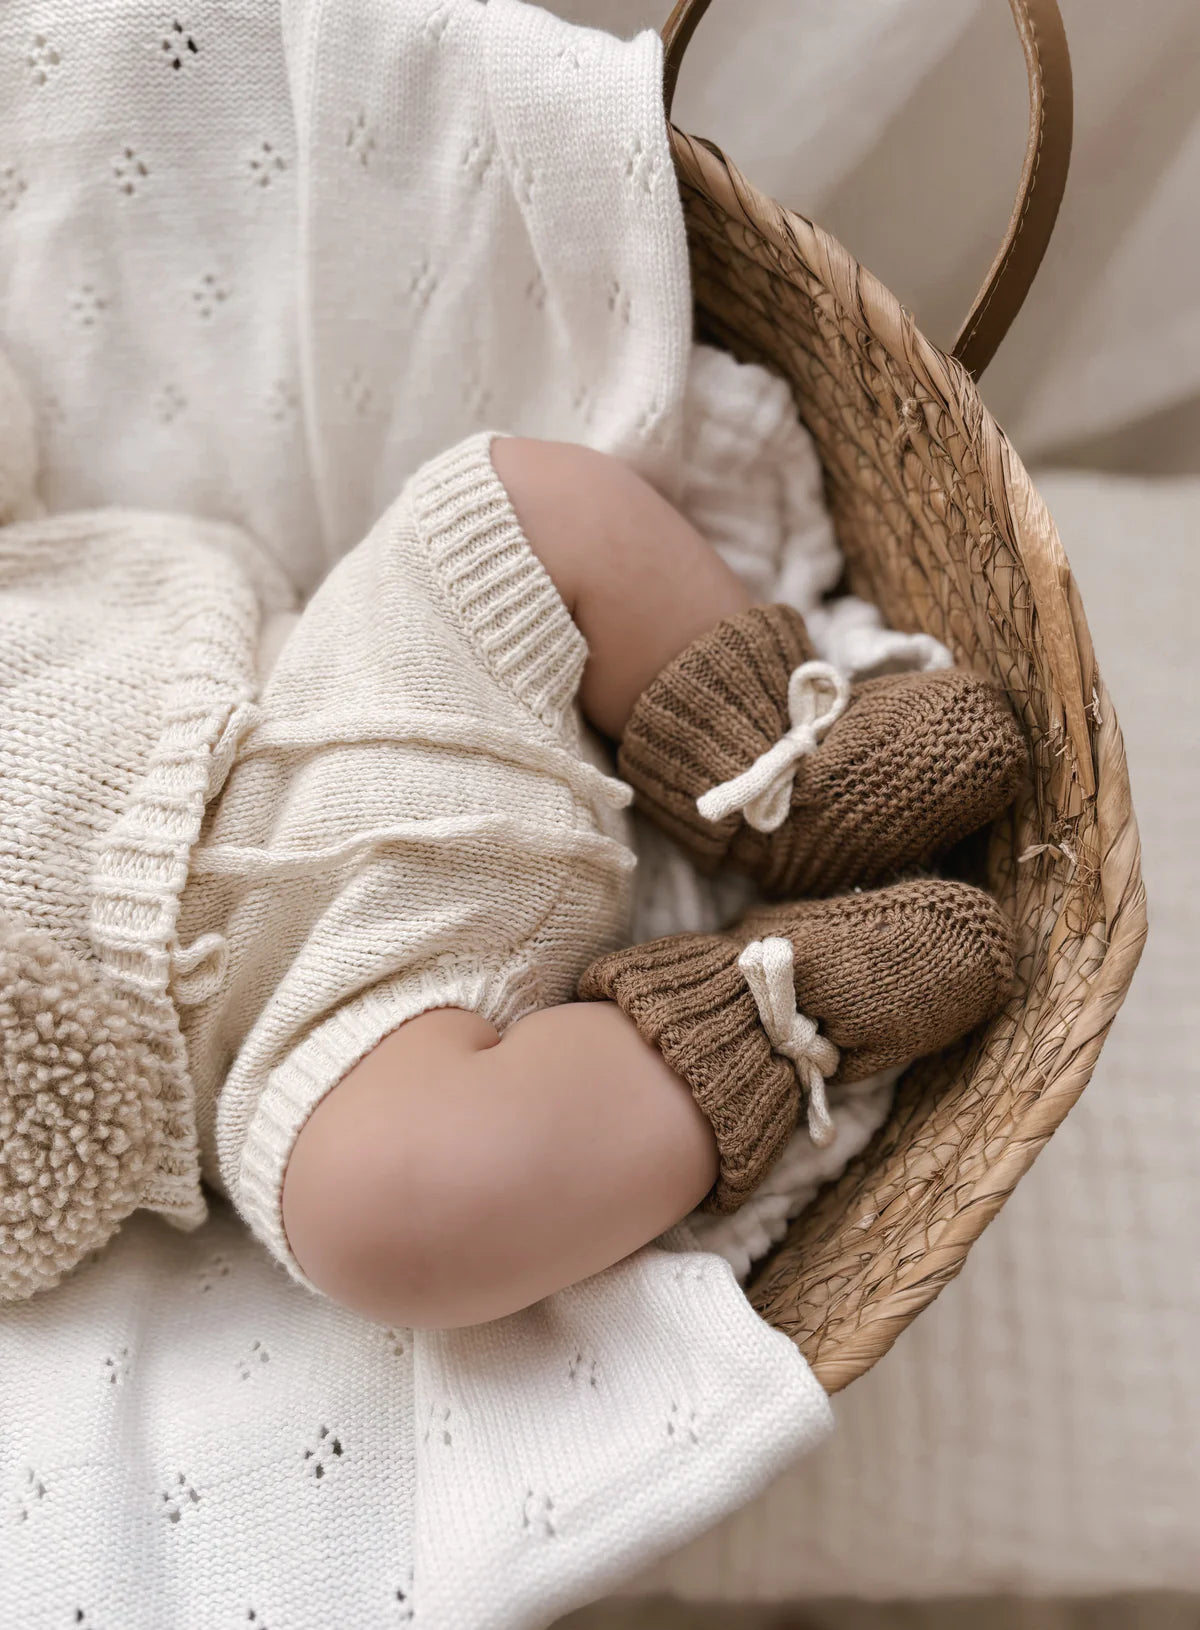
(764,791)
(769,967)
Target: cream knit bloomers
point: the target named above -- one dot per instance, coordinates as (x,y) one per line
(415,817)
(272,873)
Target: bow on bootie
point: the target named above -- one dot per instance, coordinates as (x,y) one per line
(769,967)
(764,791)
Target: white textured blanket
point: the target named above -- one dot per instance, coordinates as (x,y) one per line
(260,267)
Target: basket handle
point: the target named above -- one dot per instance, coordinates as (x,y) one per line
(1043,177)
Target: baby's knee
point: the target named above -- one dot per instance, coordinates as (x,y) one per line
(382,1201)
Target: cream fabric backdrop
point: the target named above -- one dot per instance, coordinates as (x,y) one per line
(900,126)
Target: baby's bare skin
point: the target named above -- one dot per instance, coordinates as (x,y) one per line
(455,1175)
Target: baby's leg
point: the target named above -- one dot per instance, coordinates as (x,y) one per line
(639,580)
(455,1176)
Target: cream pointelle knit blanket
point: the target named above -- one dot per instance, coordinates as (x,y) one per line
(259,268)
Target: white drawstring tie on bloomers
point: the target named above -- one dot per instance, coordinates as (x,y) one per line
(769,967)
(817,697)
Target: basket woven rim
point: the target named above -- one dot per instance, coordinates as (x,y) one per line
(1096,745)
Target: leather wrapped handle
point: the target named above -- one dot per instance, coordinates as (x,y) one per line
(1043,176)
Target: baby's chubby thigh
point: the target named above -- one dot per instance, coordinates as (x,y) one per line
(461,1176)
(448,1178)
(391,1189)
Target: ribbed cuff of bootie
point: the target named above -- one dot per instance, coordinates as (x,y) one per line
(689,999)
(806,995)
(710,712)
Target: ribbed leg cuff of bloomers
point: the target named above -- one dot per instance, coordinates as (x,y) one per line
(494,585)
(710,712)
(689,999)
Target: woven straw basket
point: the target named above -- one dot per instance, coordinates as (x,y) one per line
(943,529)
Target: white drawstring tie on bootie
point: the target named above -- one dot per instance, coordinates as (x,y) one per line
(764,791)
(770,970)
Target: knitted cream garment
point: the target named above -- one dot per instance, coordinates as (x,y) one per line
(409,824)
(126,652)
(402,821)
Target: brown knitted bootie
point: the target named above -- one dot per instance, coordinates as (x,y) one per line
(800,995)
(752,755)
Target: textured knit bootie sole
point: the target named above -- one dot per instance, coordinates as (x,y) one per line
(801,995)
(753,755)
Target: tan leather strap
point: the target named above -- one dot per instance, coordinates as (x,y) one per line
(1043,177)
